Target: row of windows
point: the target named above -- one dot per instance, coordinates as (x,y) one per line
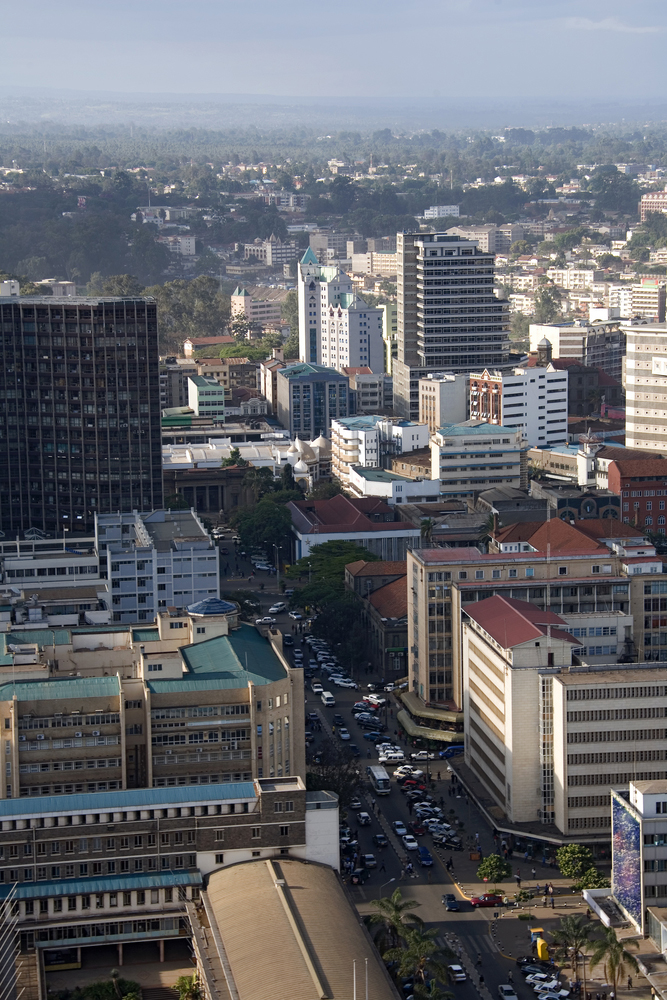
(200,712)
(98,869)
(60,721)
(208,779)
(623,777)
(91,786)
(609,693)
(594,650)
(609,714)
(70,765)
(82,845)
(584,801)
(588,822)
(617,736)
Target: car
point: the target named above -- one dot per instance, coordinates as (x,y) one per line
(404,769)
(389,687)
(542,979)
(266,620)
(416,828)
(346,682)
(547,986)
(451,751)
(539,964)
(380,840)
(363,819)
(277,608)
(313,716)
(553,994)
(265,567)
(450,902)
(355,803)
(399,828)
(368,861)
(487,899)
(359,876)
(316,687)
(457,973)
(425,857)
(364,717)
(338,719)
(448,843)
(360,705)
(530,968)
(343,733)
(507,993)
(289,591)
(294,615)
(378,727)
(375,699)
(422,755)
(288,640)
(354,749)
(391,758)
(372,736)
(409,842)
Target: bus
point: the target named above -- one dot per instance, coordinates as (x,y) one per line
(379,779)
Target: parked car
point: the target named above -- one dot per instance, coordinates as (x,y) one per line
(359,876)
(422,755)
(368,861)
(294,615)
(277,608)
(343,733)
(266,620)
(355,803)
(451,751)
(540,964)
(487,899)
(450,902)
(354,749)
(399,828)
(316,687)
(409,842)
(363,819)
(288,640)
(507,993)
(373,736)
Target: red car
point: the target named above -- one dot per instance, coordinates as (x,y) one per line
(487,899)
(417,829)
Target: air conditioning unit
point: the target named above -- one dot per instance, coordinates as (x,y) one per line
(78,734)
(96,732)
(41,736)
(22,739)
(169,751)
(200,749)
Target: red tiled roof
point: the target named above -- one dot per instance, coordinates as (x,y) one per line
(607,528)
(343,514)
(512,622)
(560,535)
(364,370)
(606,380)
(208,341)
(361,567)
(642,467)
(391,601)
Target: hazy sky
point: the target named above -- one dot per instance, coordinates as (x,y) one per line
(457,48)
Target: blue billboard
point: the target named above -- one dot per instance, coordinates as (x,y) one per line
(626,874)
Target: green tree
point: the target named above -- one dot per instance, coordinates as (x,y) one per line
(189,987)
(287,477)
(240,327)
(431,991)
(426,530)
(264,525)
(395,915)
(420,955)
(494,869)
(290,311)
(571,941)
(291,345)
(260,481)
(122,285)
(519,328)
(234,459)
(335,771)
(189,309)
(615,956)
(175,501)
(573,860)
(547,303)
(592,878)
(325,491)
(246,601)
(520,247)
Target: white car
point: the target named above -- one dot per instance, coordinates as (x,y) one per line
(345,682)
(457,973)
(277,608)
(507,993)
(343,733)
(542,981)
(391,758)
(550,986)
(389,687)
(295,616)
(266,620)
(409,843)
(422,755)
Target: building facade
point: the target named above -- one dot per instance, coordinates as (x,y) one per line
(532,400)
(597,345)
(336,327)
(443,399)
(309,397)
(474,455)
(448,318)
(371,442)
(646,387)
(647,300)
(81,411)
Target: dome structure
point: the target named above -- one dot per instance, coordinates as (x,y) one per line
(322,443)
(301,468)
(544,342)
(212,606)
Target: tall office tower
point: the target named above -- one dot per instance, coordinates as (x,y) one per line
(448,317)
(336,327)
(646,387)
(80,411)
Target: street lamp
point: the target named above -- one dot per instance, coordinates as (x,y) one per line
(382,887)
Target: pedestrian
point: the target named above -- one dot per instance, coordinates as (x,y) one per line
(477,838)
(545,899)
(481,979)
(629,982)
(533,872)
(525,855)
(479,958)
(612,995)
(553,903)
(403,876)
(383,867)
(518,881)
(537,888)
(451,864)
(510,977)
(438,775)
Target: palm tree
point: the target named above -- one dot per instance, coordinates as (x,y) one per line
(421,954)
(426,530)
(617,960)
(394,913)
(571,940)
(431,991)
(188,987)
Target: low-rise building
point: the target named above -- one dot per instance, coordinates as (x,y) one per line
(441,211)
(260,306)
(485,236)
(384,614)
(641,484)
(473,455)
(213,344)
(374,392)
(156,560)
(369,523)
(391,487)
(596,345)
(443,399)
(206,397)
(272,252)
(413,463)
(371,441)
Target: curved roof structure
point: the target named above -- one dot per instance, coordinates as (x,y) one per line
(212,606)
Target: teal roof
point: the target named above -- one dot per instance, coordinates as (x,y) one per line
(468,427)
(305,370)
(118,883)
(309,257)
(72,688)
(40,636)
(241,291)
(212,606)
(129,798)
(145,635)
(380,475)
(227,661)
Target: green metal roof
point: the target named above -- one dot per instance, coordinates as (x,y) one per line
(41,636)
(380,475)
(227,661)
(70,688)
(182,421)
(145,635)
(129,798)
(309,257)
(304,370)
(119,883)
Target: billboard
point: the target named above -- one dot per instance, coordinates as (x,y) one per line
(626,874)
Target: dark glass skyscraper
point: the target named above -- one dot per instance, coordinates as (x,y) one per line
(79,411)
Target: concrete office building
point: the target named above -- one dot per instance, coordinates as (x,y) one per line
(373,392)
(80,395)
(310,397)
(646,387)
(474,455)
(597,345)
(206,397)
(639,856)
(441,211)
(443,399)
(336,327)
(162,559)
(532,400)
(389,334)
(371,442)
(448,318)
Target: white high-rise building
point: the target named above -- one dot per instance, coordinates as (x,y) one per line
(533,400)
(336,327)
(646,387)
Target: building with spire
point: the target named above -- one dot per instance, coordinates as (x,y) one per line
(336,327)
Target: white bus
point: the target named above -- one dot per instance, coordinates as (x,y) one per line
(379,779)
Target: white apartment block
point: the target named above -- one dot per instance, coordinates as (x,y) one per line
(475,455)
(336,327)
(485,236)
(371,441)
(646,387)
(156,561)
(599,345)
(532,400)
(206,397)
(574,279)
(647,300)
(441,211)
(383,264)
(443,399)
